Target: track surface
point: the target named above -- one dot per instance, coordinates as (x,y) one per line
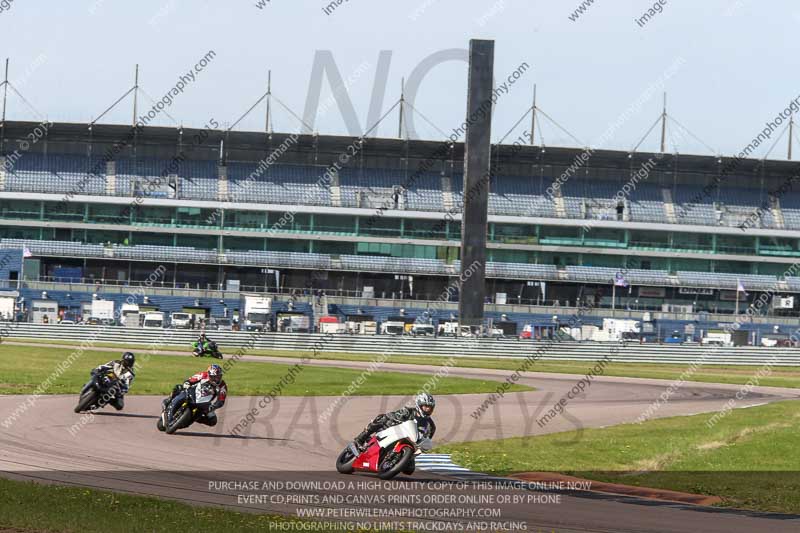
(124,451)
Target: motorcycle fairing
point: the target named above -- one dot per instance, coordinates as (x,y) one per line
(369,459)
(405,430)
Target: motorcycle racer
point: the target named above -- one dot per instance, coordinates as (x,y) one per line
(123,368)
(203,344)
(212,375)
(422,410)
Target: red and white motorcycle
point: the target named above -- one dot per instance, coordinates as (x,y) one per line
(388,453)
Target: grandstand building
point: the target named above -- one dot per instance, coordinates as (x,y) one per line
(381,219)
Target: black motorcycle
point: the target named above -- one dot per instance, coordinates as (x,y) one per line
(185,408)
(101,389)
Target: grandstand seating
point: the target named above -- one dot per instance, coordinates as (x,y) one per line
(284,259)
(278,184)
(57,173)
(583,198)
(726,281)
(372,263)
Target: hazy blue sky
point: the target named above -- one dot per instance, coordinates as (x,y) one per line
(72,59)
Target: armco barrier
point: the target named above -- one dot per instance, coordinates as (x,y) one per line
(427,346)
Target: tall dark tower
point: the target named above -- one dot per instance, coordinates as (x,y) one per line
(477,160)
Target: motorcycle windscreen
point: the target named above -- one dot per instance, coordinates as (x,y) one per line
(203,395)
(406,430)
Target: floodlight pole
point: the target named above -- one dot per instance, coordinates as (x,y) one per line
(791,129)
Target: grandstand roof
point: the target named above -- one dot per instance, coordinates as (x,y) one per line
(310,149)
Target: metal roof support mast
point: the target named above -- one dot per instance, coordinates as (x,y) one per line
(268,122)
(135,94)
(533,115)
(3,121)
(5,92)
(477,171)
(402,108)
(664,125)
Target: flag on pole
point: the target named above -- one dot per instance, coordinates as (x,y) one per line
(26,252)
(740,287)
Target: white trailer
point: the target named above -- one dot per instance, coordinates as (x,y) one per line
(615,328)
(332,327)
(44,311)
(717,337)
(7,304)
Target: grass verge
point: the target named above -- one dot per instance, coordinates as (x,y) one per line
(53,508)
(24,368)
(749,457)
(780,376)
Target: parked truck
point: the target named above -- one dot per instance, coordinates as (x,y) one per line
(129,315)
(394,325)
(103,311)
(154,320)
(256,312)
(180,320)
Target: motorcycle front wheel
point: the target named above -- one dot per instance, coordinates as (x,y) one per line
(395,462)
(183,419)
(86,400)
(410,467)
(344,463)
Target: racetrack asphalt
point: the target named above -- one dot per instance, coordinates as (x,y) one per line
(123,451)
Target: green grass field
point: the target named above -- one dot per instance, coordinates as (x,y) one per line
(23,368)
(786,376)
(33,507)
(749,458)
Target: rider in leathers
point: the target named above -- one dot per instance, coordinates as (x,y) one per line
(212,375)
(421,411)
(123,368)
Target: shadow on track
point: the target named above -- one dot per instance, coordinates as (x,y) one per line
(227,436)
(125,415)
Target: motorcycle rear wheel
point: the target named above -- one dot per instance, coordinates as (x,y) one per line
(181,421)
(344,463)
(388,471)
(86,400)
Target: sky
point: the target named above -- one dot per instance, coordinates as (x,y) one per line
(727,65)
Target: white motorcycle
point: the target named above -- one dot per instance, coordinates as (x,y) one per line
(388,453)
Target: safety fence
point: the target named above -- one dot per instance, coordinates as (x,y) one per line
(229,341)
